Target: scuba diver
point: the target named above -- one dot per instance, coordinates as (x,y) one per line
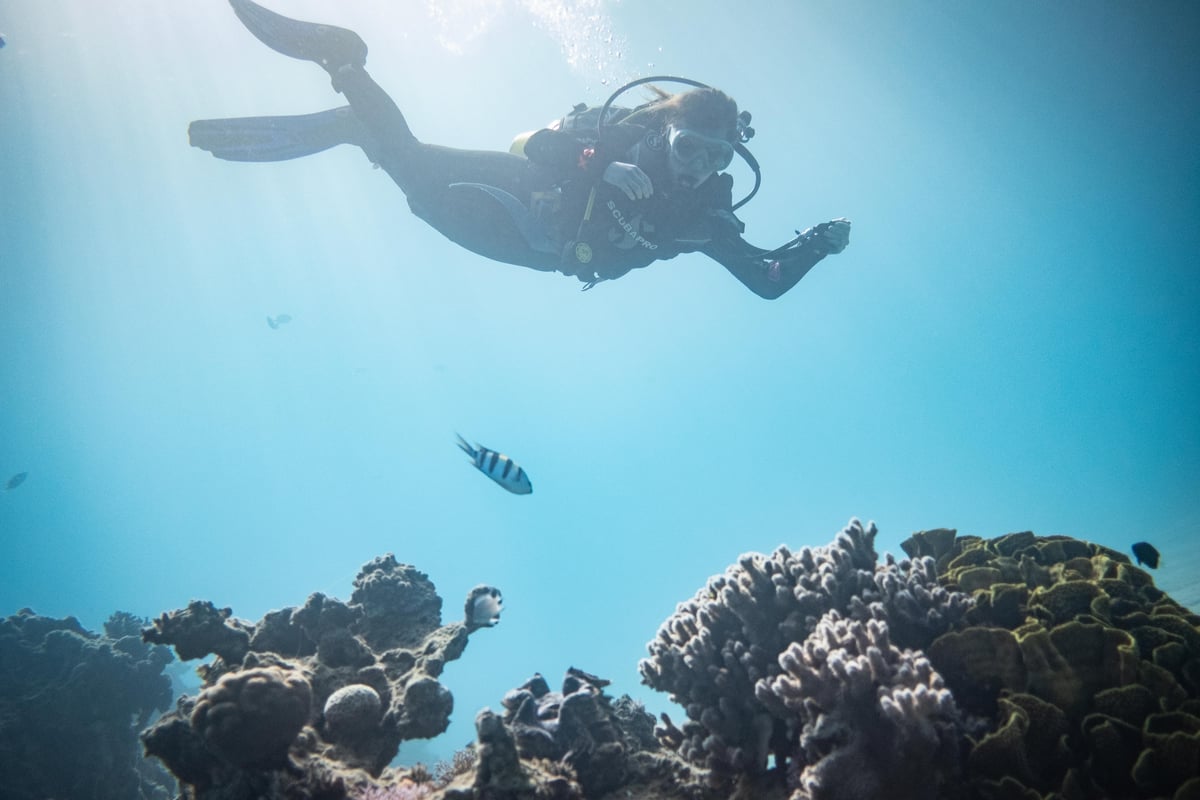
(594,195)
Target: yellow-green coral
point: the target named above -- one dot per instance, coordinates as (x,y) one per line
(1064,601)
(1073,626)
(978,663)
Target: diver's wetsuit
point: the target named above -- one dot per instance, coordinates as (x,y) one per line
(597,231)
(551,210)
(428,175)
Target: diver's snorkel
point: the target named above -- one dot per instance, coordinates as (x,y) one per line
(745,132)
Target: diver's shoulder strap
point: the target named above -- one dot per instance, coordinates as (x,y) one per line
(553,148)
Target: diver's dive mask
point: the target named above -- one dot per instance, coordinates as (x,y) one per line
(690,147)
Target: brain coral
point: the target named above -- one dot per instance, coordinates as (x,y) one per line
(353,710)
(250,718)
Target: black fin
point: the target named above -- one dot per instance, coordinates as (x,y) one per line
(278,138)
(327,45)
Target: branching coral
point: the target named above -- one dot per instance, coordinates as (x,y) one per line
(872,719)
(720,653)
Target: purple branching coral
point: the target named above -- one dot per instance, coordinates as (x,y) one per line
(710,654)
(918,609)
(865,714)
(721,653)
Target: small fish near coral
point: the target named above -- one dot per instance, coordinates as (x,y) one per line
(483,608)
(1146,553)
(275,322)
(16,480)
(497,466)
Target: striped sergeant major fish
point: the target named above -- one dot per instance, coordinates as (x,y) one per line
(497,466)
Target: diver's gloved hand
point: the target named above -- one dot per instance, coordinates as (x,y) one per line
(830,237)
(630,179)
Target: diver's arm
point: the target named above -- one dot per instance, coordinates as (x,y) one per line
(771,273)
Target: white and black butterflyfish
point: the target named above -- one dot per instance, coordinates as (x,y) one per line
(497,466)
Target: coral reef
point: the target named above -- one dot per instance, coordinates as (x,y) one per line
(312,701)
(1018,667)
(67,698)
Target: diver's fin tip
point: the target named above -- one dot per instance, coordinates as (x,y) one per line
(327,45)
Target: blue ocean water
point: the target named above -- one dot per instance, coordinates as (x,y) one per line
(1009,343)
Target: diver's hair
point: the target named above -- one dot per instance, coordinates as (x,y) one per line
(707,109)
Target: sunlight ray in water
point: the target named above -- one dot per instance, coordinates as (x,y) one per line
(460,22)
(582,29)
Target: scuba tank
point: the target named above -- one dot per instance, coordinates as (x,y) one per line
(582,121)
(587,123)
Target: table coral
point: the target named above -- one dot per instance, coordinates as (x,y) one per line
(1081,630)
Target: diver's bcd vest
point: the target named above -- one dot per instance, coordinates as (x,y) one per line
(582,122)
(585,123)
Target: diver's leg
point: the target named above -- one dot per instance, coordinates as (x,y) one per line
(479,199)
(426,173)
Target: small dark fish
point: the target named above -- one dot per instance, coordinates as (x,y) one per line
(275,322)
(2,40)
(16,480)
(1146,553)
